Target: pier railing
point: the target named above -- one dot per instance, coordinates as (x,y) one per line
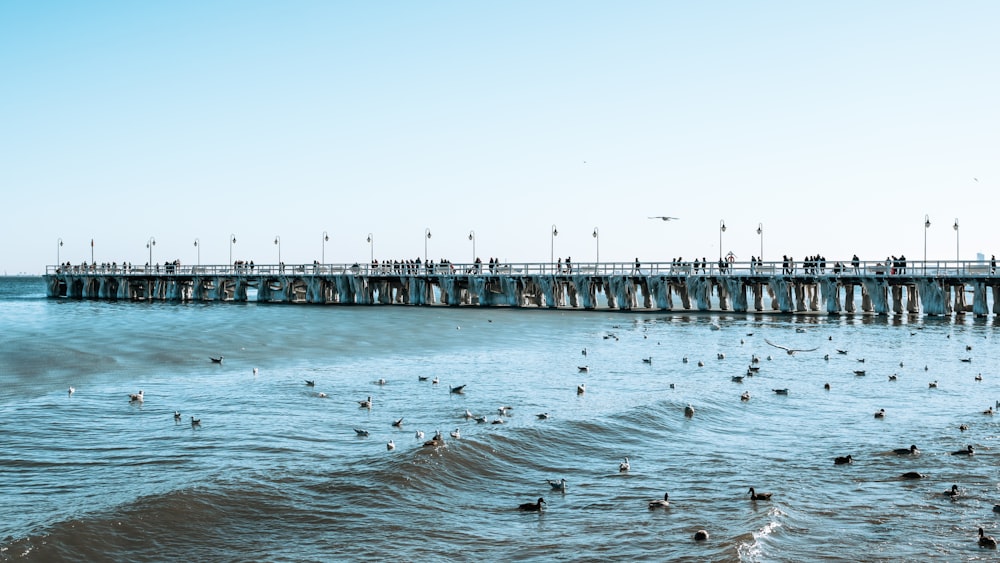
(930,268)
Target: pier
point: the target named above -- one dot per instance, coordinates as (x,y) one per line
(928,288)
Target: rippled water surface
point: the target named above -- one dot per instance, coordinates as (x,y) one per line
(276,472)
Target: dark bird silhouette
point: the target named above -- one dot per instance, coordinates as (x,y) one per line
(533,506)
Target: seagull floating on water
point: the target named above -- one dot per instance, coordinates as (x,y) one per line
(366,404)
(458,390)
(581,389)
(398,423)
(419,434)
(361,432)
(136,397)
(390,445)
(70,391)
(542,415)
(456,434)
(689,411)
(255,372)
(216,360)
(559,485)
(310,382)
(195,422)
(177,416)
(880,413)
(624,466)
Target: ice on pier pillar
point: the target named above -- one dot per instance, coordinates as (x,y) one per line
(933,299)
(800,299)
(979,306)
(912,299)
(781,299)
(683,293)
(571,291)
(547,287)
(737,291)
(723,295)
(659,289)
(947,298)
(699,288)
(643,285)
(758,297)
(960,299)
(876,291)
(897,299)
(813,297)
(996,299)
(831,294)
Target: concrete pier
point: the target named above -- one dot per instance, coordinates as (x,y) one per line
(660,287)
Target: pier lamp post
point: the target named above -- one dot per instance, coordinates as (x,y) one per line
(371,247)
(277,242)
(427,237)
(552,245)
(150,244)
(197,244)
(722,229)
(597,243)
(326,237)
(472,237)
(927,225)
(955,226)
(58,248)
(760,233)
(232,241)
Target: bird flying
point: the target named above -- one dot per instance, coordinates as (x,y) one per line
(665,218)
(791,351)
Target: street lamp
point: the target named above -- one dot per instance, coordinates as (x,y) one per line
(232,241)
(427,237)
(760,232)
(58,248)
(277,242)
(198,246)
(955,226)
(927,225)
(552,245)
(326,237)
(597,243)
(472,237)
(150,244)
(722,229)
(371,246)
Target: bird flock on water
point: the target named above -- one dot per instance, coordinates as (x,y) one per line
(561,485)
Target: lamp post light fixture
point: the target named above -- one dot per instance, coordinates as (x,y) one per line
(597,243)
(277,242)
(552,245)
(427,237)
(326,237)
(722,229)
(760,233)
(472,237)
(955,226)
(371,247)
(927,225)
(197,244)
(150,244)
(232,241)
(58,248)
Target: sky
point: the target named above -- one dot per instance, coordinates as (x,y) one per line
(836,126)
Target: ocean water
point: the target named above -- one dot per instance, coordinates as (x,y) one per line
(277,473)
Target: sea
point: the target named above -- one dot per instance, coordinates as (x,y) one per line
(277,470)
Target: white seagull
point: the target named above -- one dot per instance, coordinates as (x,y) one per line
(559,485)
(136,397)
(791,351)
(665,218)
(624,466)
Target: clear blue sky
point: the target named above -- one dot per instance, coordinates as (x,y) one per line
(837,125)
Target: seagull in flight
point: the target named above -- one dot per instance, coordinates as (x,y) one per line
(665,218)
(791,351)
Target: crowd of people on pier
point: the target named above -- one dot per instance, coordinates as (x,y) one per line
(442,266)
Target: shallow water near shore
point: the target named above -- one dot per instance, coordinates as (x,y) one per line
(276,472)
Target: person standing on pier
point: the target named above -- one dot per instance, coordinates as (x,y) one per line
(857,264)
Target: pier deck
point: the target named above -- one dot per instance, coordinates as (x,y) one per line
(932,288)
